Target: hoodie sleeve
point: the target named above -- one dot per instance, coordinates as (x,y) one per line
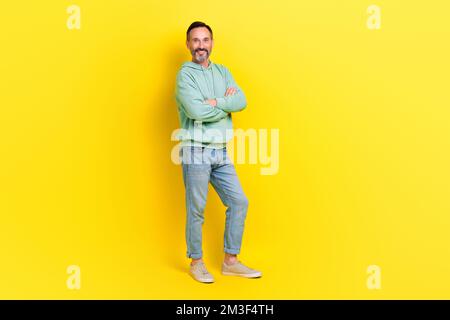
(235,102)
(192,101)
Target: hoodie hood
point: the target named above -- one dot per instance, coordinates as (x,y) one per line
(197,66)
(209,80)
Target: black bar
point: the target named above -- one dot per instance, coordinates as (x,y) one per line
(224,309)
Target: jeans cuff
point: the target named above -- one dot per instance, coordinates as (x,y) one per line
(231,251)
(194,255)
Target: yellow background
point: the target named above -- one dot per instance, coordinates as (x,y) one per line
(364,177)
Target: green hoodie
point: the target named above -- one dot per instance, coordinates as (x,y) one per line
(202,124)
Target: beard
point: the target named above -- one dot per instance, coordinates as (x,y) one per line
(199,56)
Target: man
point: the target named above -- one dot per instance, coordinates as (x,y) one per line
(206,95)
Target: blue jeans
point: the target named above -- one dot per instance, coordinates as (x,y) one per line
(202,165)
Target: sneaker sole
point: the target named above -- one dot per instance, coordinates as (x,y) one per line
(245,275)
(202,281)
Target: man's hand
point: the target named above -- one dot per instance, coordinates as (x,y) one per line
(211,102)
(230,91)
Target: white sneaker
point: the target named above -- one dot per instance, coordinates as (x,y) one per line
(199,272)
(239,269)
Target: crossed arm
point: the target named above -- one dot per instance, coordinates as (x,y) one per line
(213,102)
(234,99)
(209,110)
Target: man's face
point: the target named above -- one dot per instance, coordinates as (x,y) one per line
(200,44)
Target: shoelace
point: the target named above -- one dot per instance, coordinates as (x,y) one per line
(241,265)
(202,268)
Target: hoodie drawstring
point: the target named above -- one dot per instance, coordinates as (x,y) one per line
(207,82)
